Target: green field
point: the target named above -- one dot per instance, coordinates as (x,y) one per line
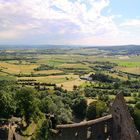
(63,66)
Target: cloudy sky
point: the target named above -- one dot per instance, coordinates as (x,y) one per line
(83,22)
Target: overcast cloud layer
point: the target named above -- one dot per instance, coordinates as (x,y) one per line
(84,22)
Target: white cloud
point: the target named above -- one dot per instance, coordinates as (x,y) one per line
(61,18)
(9,34)
(88,19)
(131,22)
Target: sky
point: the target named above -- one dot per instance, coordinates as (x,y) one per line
(70,22)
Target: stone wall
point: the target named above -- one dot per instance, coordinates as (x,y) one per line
(123,124)
(118,126)
(3,134)
(7,132)
(98,129)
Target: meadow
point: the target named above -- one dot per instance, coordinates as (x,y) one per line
(63,66)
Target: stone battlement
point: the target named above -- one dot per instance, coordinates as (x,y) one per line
(90,130)
(86,123)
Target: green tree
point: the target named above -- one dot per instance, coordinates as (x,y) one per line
(96,110)
(42,132)
(91,111)
(79,107)
(62,112)
(28,104)
(7,104)
(48,106)
(137,105)
(101,108)
(137,117)
(53,104)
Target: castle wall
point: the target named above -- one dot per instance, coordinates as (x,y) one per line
(99,129)
(118,126)
(3,134)
(123,124)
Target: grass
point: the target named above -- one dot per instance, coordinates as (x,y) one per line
(48,72)
(69,84)
(135,70)
(127,99)
(128,64)
(16,69)
(112,97)
(3,74)
(53,79)
(7,78)
(115,75)
(52,60)
(17,62)
(133,61)
(29,130)
(74,66)
(90,100)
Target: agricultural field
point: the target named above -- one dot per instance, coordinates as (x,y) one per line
(69,69)
(17,68)
(52,79)
(64,66)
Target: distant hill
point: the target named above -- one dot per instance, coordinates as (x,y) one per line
(122,49)
(38,46)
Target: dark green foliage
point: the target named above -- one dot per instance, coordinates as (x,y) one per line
(102,66)
(132,84)
(137,105)
(96,110)
(101,108)
(89,92)
(116,85)
(79,107)
(136,117)
(7,104)
(91,111)
(135,113)
(43,67)
(103,78)
(104,98)
(7,85)
(42,132)
(48,106)
(28,104)
(53,104)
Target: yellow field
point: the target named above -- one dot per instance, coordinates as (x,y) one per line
(53,79)
(124,57)
(72,66)
(16,69)
(135,70)
(3,74)
(69,84)
(114,75)
(48,72)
